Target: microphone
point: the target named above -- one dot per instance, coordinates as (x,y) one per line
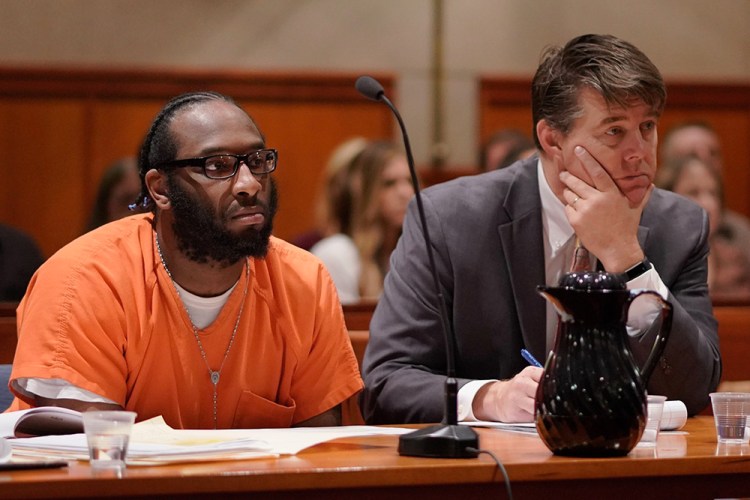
(447,439)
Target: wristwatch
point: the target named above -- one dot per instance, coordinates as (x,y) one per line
(637,270)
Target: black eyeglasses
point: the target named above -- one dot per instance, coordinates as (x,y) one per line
(224,166)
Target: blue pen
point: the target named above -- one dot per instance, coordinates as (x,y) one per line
(531,359)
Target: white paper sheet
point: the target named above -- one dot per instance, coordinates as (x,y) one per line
(522,427)
(8,421)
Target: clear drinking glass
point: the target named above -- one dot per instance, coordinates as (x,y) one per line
(108,435)
(731,410)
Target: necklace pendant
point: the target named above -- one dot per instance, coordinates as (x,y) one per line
(214,378)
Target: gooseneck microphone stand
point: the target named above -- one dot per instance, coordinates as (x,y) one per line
(447,439)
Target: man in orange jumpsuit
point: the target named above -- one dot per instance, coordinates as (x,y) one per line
(192,311)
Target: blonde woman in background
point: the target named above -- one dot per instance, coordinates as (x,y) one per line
(333,206)
(331,242)
(728,267)
(357,256)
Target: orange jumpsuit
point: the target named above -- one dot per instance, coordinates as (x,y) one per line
(103,315)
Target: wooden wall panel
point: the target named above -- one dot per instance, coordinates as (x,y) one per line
(116,130)
(305,134)
(506,102)
(59,130)
(43,164)
(510,116)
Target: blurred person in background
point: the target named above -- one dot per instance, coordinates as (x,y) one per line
(698,138)
(693,138)
(503,148)
(118,188)
(19,259)
(696,179)
(357,257)
(333,205)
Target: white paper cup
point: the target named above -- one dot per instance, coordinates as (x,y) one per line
(108,435)
(731,415)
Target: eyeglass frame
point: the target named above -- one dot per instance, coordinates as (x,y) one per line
(240,159)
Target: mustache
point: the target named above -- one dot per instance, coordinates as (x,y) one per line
(259,205)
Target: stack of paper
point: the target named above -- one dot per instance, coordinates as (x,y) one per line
(522,427)
(153,442)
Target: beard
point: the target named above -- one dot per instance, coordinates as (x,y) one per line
(202,233)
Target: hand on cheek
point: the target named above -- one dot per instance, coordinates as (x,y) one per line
(602,216)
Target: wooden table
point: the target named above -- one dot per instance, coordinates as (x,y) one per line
(681,466)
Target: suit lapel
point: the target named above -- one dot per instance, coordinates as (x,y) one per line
(521,240)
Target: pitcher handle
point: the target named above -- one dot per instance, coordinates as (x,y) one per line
(661,337)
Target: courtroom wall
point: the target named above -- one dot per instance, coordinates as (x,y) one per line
(688,39)
(692,41)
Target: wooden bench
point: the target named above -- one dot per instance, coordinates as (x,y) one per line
(734,343)
(357,316)
(8,309)
(350,412)
(8,339)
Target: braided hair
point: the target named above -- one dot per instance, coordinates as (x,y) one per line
(159,145)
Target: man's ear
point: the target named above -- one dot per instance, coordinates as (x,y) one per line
(550,138)
(156,182)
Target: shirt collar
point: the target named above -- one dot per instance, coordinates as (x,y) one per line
(557,229)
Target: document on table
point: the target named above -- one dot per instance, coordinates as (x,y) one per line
(153,442)
(523,427)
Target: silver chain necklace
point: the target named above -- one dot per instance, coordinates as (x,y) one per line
(214,374)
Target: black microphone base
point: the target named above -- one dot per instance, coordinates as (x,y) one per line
(440,441)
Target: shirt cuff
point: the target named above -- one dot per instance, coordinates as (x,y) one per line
(642,314)
(650,280)
(56,388)
(466,395)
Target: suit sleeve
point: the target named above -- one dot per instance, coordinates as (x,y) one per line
(690,366)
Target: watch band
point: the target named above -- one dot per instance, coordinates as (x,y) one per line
(642,267)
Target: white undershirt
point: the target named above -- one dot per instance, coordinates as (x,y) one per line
(559,244)
(202,311)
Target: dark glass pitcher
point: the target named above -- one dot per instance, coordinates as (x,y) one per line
(591,400)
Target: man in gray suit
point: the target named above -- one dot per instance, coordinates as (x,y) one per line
(496,236)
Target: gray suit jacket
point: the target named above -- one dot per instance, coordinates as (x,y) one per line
(487,235)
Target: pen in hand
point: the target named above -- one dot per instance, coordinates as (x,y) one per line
(530,359)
